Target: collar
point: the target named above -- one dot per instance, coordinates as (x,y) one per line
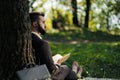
(37,34)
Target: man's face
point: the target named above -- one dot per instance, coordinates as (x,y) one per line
(41,25)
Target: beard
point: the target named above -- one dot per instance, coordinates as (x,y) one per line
(41,30)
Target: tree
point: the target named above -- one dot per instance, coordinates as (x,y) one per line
(74,7)
(15,37)
(87,13)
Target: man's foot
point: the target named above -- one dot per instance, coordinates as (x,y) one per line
(79,72)
(77,69)
(75,66)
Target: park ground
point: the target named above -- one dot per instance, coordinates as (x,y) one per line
(97,52)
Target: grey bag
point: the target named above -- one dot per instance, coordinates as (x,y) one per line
(34,73)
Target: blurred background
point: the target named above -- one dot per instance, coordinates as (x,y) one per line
(88,29)
(93,14)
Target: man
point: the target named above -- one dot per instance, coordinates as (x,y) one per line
(43,52)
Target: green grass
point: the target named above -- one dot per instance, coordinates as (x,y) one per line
(99,56)
(97,59)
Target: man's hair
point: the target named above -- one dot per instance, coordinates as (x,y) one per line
(34,16)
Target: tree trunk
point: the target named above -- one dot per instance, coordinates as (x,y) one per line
(87,13)
(15,37)
(75,17)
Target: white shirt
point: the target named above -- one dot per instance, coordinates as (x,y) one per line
(37,34)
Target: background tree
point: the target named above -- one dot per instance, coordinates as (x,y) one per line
(15,37)
(87,13)
(74,11)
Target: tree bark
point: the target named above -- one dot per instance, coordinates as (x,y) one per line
(15,37)
(75,17)
(87,13)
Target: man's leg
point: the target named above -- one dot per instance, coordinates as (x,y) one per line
(71,76)
(61,73)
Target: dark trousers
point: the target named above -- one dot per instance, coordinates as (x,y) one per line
(64,73)
(71,76)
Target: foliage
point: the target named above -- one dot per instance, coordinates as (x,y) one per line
(49,24)
(59,21)
(35,5)
(101,13)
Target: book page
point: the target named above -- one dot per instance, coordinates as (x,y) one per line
(58,59)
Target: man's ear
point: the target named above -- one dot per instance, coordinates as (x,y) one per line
(34,24)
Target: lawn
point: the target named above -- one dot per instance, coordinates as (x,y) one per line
(97,52)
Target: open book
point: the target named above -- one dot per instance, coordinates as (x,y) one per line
(58,59)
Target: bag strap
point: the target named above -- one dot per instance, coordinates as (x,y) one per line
(30,65)
(29,58)
(31,61)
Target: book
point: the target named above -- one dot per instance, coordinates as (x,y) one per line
(59,59)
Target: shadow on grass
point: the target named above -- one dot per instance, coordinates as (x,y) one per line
(81,35)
